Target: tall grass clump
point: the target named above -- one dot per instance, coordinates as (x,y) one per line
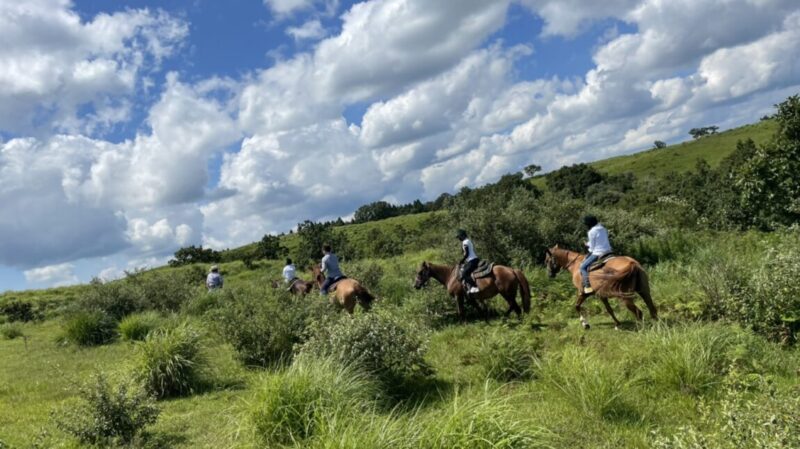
(594,387)
(107,415)
(170,361)
(10,331)
(135,327)
(385,345)
(489,422)
(509,355)
(294,405)
(693,359)
(264,326)
(432,307)
(89,328)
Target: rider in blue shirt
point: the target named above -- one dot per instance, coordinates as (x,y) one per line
(329,266)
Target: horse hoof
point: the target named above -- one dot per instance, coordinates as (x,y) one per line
(616,328)
(586,326)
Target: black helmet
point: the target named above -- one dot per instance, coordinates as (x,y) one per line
(590,220)
(461,234)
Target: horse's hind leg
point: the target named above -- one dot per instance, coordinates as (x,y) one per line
(610,311)
(632,307)
(511,299)
(648,301)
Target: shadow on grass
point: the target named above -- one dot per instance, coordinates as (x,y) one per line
(419,393)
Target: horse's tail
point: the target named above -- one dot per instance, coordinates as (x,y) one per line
(364,296)
(643,288)
(615,282)
(525,290)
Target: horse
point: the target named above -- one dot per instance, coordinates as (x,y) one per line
(621,277)
(504,281)
(298,286)
(347,292)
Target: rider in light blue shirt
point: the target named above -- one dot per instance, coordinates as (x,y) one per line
(598,245)
(330,266)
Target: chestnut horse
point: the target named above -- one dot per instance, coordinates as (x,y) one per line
(347,292)
(621,277)
(504,280)
(298,287)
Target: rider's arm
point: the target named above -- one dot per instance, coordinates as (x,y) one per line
(465,252)
(592,243)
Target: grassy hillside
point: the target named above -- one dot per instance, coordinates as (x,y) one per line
(684,156)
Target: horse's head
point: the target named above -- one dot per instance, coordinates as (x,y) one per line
(551,262)
(316,274)
(423,275)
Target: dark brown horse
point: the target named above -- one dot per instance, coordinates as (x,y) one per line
(347,293)
(621,277)
(297,287)
(504,281)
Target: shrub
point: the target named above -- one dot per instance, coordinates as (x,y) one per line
(136,327)
(432,307)
(10,331)
(293,405)
(387,346)
(264,331)
(507,356)
(105,415)
(769,420)
(90,328)
(19,311)
(170,362)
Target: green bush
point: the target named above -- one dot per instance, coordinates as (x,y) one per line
(510,355)
(105,415)
(19,311)
(136,327)
(10,331)
(293,405)
(385,345)
(769,420)
(90,328)
(264,328)
(431,306)
(170,361)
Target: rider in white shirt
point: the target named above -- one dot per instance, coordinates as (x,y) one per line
(469,261)
(289,272)
(598,245)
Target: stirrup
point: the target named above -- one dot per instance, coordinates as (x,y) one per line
(473,290)
(588,290)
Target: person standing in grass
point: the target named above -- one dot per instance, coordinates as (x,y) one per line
(214,279)
(598,245)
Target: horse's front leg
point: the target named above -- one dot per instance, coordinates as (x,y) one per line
(460,308)
(584,321)
(610,312)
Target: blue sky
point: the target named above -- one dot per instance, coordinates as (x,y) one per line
(131,128)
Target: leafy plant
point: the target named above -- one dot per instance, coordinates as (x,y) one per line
(137,326)
(105,415)
(10,331)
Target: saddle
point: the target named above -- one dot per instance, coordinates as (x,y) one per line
(335,282)
(483,270)
(599,263)
(291,284)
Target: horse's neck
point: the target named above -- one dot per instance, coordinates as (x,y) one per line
(441,273)
(571,261)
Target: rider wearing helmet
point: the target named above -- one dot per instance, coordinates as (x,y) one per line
(469,261)
(598,245)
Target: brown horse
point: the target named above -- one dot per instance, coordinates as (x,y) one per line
(503,281)
(298,286)
(621,277)
(347,292)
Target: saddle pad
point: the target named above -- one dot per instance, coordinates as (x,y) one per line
(484,270)
(601,261)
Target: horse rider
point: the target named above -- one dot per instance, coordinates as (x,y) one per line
(289,272)
(214,279)
(598,245)
(329,266)
(469,261)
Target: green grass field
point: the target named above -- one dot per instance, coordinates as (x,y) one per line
(688,381)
